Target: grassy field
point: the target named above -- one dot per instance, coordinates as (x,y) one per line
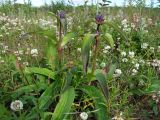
(60,62)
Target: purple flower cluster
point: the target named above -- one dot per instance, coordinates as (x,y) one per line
(62,15)
(99,19)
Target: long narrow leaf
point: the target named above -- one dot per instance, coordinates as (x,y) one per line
(103,83)
(64,105)
(68,37)
(48,96)
(41,71)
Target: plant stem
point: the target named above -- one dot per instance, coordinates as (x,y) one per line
(96,49)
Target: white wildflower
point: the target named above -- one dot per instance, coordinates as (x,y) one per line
(131,54)
(117,73)
(144,45)
(152,49)
(25,63)
(1,61)
(19,58)
(105,51)
(107,47)
(133,25)
(123,54)
(79,49)
(134,72)
(118,117)
(141,61)
(34,52)
(124,60)
(84,116)
(136,66)
(16,105)
(124,22)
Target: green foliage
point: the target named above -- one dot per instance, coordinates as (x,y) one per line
(42,71)
(64,105)
(99,101)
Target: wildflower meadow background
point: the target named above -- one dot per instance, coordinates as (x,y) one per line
(88,62)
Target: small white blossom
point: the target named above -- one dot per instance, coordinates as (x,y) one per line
(79,49)
(141,61)
(16,105)
(117,73)
(144,45)
(84,116)
(133,25)
(136,66)
(131,54)
(107,47)
(134,72)
(19,58)
(118,117)
(124,60)
(152,49)
(124,22)
(25,63)
(123,54)
(105,51)
(1,61)
(34,52)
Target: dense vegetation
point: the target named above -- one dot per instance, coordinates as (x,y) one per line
(90,62)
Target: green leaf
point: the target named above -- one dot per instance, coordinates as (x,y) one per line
(99,101)
(109,39)
(86,46)
(64,105)
(103,83)
(29,89)
(68,37)
(67,81)
(111,72)
(41,71)
(48,95)
(51,53)
(115,27)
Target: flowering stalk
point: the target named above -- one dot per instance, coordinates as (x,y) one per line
(99,20)
(61,16)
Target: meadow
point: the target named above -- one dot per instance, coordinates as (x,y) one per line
(89,62)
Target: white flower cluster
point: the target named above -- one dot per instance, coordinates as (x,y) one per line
(117,73)
(34,52)
(130,55)
(156,63)
(124,54)
(1,60)
(45,23)
(84,116)
(144,45)
(106,49)
(118,117)
(16,105)
(155,97)
(125,25)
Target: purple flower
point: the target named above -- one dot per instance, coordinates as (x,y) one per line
(62,15)
(99,19)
